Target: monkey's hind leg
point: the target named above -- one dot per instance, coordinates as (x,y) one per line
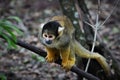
(71,60)
(68,60)
(52,54)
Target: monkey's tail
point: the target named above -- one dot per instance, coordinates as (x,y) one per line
(80,50)
(84,53)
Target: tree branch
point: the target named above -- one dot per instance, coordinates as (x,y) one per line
(43,54)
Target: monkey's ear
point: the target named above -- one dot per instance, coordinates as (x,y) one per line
(41,25)
(60,29)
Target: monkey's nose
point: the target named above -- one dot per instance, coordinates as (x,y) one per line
(48,41)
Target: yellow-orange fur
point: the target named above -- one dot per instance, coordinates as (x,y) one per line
(67,53)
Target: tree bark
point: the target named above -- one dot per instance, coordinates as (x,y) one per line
(69,9)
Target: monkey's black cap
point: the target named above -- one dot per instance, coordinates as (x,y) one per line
(51,28)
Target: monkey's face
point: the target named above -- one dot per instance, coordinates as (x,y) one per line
(48,38)
(50,32)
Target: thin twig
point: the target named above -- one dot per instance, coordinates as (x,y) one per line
(116,3)
(98,26)
(94,41)
(79,15)
(91,25)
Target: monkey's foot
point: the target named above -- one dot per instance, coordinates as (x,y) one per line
(50,59)
(68,65)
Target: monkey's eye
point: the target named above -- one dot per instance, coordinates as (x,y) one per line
(51,37)
(48,36)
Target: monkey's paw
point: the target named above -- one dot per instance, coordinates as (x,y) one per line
(68,65)
(50,59)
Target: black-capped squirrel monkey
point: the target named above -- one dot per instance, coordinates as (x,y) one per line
(57,37)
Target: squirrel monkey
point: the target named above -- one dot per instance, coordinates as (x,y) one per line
(57,37)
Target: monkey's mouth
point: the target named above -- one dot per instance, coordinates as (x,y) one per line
(48,42)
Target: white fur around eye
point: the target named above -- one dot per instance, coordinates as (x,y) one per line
(60,29)
(45,35)
(51,37)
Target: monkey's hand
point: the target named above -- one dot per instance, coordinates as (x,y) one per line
(50,57)
(52,54)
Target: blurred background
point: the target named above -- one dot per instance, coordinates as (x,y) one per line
(22,64)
